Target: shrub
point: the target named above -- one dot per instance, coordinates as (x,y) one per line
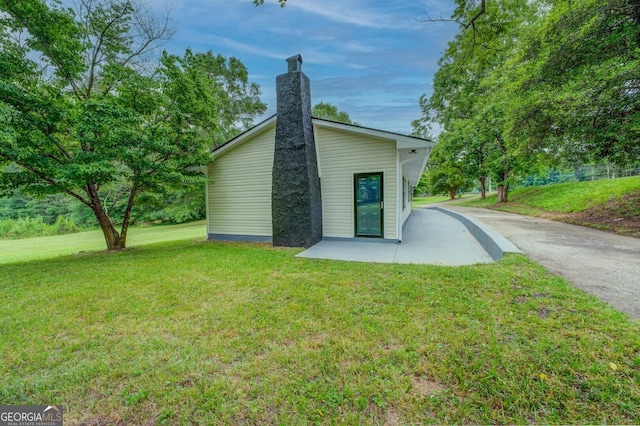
(29,227)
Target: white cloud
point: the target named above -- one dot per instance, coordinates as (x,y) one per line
(355,46)
(245,47)
(309,55)
(350,13)
(335,12)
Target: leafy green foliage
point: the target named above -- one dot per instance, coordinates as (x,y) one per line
(48,208)
(469,99)
(101,123)
(331,112)
(173,206)
(529,85)
(579,93)
(445,174)
(29,227)
(211,94)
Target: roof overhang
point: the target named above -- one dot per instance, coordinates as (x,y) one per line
(413,162)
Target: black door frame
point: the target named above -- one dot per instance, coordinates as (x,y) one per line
(355,203)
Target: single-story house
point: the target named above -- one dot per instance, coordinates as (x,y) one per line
(295,179)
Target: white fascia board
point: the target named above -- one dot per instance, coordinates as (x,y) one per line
(409,142)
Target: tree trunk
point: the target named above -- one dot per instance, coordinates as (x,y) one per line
(452,193)
(111,236)
(127,217)
(503,187)
(483,187)
(502,193)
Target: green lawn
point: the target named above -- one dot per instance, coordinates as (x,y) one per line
(421,201)
(229,333)
(46,247)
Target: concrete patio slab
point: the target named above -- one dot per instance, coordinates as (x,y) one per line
(430,237)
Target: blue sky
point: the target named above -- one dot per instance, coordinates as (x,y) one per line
(370,58)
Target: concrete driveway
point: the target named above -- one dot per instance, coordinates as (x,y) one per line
(603,264)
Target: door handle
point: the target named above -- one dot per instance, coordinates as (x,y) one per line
(381,205)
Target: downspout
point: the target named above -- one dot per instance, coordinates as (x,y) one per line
(206,198)
(398,195)
(317,145)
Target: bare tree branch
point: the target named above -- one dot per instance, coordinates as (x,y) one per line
(481,12)
(97,48)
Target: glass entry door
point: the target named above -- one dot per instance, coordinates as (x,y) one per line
(369,205)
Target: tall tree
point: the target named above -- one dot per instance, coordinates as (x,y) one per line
(446,173)
(84,112)
(467,101)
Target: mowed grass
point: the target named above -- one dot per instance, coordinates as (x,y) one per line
(421,201)
(572,197)
(59,245)
(234,333)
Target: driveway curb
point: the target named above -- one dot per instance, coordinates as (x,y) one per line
(494,243)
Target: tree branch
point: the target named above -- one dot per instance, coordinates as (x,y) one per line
(61,148)
(46,46)
(47,179)
(96,49)
(481,12)
(127,213)
(152,31)
(471,23)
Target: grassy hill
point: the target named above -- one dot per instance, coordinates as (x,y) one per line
(610,205)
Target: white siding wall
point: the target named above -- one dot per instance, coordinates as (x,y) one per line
(341,155)
(240,192)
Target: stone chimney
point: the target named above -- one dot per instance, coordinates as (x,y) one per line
(296,200)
